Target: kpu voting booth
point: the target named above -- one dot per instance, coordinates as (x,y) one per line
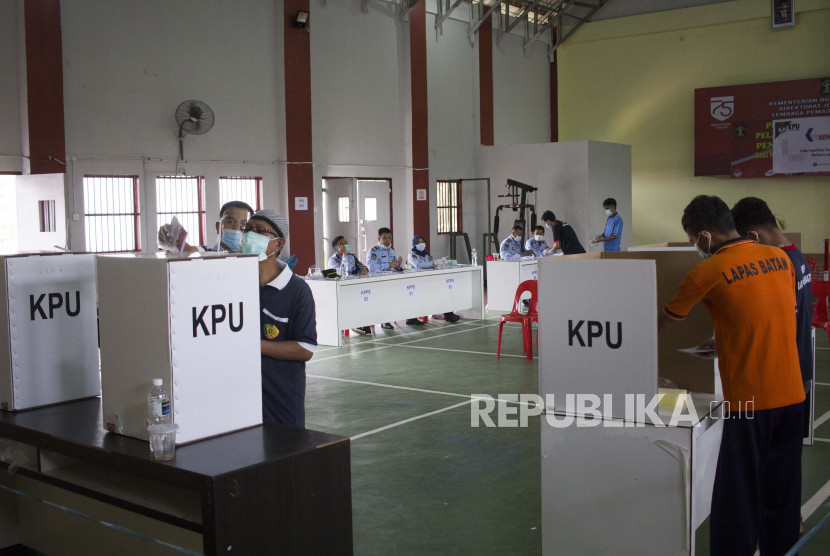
(48,337)
(192,321)
(622,472)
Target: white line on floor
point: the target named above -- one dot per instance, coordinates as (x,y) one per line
(443,335)
(460,351)
(389,386)
(820,421)
(821,439)
(399,423)
(313,360)
(815,501)
(822,383)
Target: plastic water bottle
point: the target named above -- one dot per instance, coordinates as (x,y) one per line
(344,267)
(158,404)
(474,258)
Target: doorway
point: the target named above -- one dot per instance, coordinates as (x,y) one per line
(355,208)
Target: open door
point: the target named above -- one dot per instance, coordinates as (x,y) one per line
(355,208)
(374,211)
(339,214)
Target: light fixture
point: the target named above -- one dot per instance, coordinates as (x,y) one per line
(301,19)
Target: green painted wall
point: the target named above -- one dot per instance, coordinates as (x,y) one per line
(632,80)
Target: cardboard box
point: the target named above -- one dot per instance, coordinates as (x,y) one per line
(192,321)
(48,337)
(615,350)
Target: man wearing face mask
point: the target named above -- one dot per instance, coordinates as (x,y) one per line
(232,218)
(564,237)
(342,252)
(537,244)
(288,328)
(511,248)
(612,235)
(382,257)
(749,292)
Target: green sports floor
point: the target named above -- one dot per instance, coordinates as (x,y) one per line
(425,482)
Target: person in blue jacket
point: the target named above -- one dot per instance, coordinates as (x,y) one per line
(537,244)
(420,259)
(341,253)
(511,247)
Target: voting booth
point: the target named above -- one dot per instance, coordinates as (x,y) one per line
(620,472)
(192,321)
(48,337)
(503,278)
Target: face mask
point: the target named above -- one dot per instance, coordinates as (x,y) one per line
(231,238)
(608,212)
(348,248)
(540,238)
(255,244)
(703,254)
(548,226)
(517,238)
(421,246)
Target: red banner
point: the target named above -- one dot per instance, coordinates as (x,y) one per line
(733,124)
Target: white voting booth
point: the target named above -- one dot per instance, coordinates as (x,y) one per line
(48,337)
(192,321)
(503,278)
(627,479)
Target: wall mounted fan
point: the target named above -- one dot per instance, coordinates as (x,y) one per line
(193,117)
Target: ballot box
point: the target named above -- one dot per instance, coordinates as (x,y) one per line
(48,337)
(620,472)
(192,321)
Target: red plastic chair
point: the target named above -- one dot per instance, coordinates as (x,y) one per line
(821,289)
(527,320)
(812,262)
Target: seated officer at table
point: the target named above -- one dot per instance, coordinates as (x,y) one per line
(537,244)
(382,257)
(511,247)
(420,259)
(341,252)
(288,325)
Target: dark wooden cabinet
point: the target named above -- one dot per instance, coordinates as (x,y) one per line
(269,489)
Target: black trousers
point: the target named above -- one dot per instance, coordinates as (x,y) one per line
(757,496)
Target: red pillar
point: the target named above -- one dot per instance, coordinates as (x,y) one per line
(300,172)
(44,86)
(554,97)
(420,128)
(485,81)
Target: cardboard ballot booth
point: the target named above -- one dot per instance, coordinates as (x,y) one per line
(48,337)
(192,321)
(629,478)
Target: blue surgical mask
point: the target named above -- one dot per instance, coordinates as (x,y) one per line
(255,244)
(231,238)
(703,254)
(608,212)
(548,226)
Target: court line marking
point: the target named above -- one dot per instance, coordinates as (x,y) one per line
(367,383)
(815,501)
(411,419)
(460,351)
(822,383)
(312,360)
(821,439)
(821,420)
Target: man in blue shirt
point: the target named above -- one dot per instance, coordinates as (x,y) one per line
(537,244)
(612,235)
(382,257)
(511,248)
(288,327)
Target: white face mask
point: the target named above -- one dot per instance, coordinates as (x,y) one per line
(703,254)
(421,247)
(517,238)
(540,238)
(608,212)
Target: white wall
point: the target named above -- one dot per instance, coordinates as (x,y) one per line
(10,146)
(573,179)
(29,191)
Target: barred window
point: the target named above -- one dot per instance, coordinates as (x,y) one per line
(111,213)
(449,207)
(184,198)
(239,188)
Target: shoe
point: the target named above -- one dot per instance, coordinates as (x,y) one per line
(414,322)
(387,326)
(451,317)
(363,330)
